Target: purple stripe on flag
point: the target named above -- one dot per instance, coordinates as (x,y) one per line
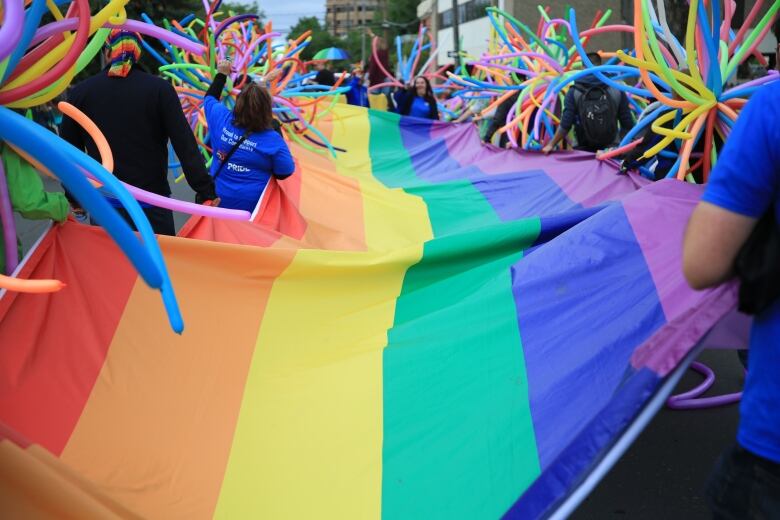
(585,181)
(658,216)
(513,195)
(585,301)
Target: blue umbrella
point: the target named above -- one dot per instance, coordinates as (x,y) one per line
(332,53)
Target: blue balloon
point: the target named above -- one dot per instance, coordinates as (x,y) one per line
(49,150)
(115,188)
(32,18)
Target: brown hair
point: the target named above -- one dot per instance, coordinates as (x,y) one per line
(253,110)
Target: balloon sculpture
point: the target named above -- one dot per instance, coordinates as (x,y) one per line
(256,51)
(410,66)
(667,83)
(697,103)
(37,63)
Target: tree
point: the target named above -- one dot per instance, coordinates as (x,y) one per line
(320,37)
(402,15)
(159,10)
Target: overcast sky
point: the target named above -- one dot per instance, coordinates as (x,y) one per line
(285,13)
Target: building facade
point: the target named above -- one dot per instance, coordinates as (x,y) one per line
(475,27)
(342,16)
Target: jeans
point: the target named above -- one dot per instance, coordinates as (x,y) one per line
(744,486)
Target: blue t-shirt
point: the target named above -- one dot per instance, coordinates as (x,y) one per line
(357,94)
(420,108)
(746,180)
(244,177)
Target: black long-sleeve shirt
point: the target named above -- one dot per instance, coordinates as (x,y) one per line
(138,114)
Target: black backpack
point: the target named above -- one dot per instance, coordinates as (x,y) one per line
(758,266)
(597,111)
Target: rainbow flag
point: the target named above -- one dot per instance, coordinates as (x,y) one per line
(424,327)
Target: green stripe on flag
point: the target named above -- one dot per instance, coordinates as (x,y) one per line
(458,434)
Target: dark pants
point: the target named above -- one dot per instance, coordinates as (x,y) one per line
(744,486)
(160,219)
(492,129)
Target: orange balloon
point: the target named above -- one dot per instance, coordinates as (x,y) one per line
(106,157)
(30,286)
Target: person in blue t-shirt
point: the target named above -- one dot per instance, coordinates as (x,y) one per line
(357,94)
(744,185)
(417,100)
(241,177)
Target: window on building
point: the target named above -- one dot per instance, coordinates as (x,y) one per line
(445,19)
(471,10)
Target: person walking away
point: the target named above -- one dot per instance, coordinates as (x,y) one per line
(248,152)
(594,109)
(744,187)
(138,114)
(417,100)
(325,76)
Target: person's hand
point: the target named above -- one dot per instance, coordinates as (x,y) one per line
(80,214)
(212,202)
(273,75)
(224,67)
(547,149)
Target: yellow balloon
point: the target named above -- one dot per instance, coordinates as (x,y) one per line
(677,133)
(48,61)
(47,94)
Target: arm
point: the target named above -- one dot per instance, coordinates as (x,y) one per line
(465,115)
(625,116)
(27,193)
(567,121)
(741,189)
(218,84)
(559,136)
(712,240)
(434,109)
(283,163)
(184,144)
(399,97)
(216,87)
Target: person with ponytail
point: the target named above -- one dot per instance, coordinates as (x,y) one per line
(248,148)
(138,114)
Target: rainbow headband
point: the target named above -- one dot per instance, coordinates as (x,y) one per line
(125,51)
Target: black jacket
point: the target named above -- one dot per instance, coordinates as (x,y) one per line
(570,118)
(404,99)
(138,115)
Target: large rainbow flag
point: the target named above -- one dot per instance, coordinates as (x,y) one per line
(424,327)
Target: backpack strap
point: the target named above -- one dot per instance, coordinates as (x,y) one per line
(614,95)
(230,153)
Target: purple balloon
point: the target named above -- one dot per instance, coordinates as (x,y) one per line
(12,28)
(146,29)
(9,226)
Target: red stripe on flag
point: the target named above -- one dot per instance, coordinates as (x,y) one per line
(46,380)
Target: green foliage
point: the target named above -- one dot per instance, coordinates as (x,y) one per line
(161,10)
(402,15)
(320,39)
